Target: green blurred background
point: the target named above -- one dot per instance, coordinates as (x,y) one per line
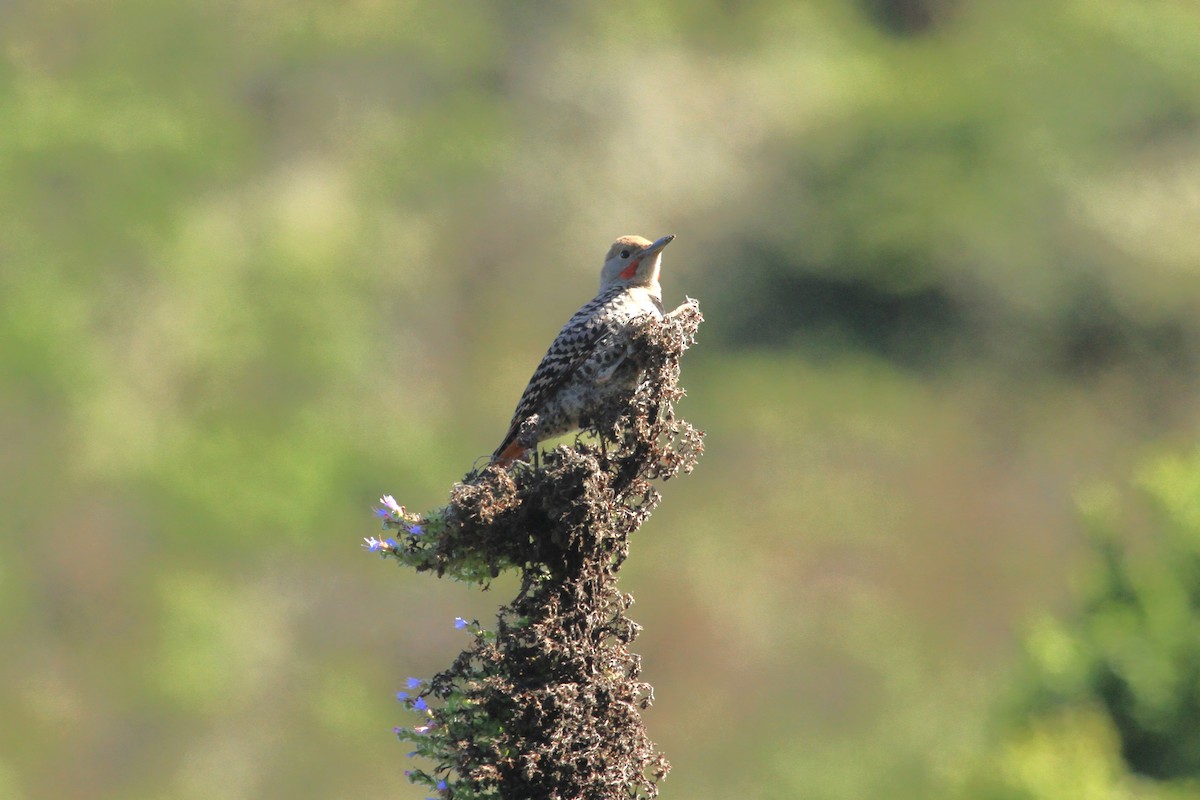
(263,262)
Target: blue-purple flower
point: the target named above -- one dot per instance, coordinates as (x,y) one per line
(414,683)
(460,623)
(420,705)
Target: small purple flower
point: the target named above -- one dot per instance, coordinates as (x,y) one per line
(401,696)
(382,513)
(420,705)
(372,544)
(460,623)
(391,505)
(414,683)
(441,786)
(415,530)
(413,753)
(397,730)
(391,543)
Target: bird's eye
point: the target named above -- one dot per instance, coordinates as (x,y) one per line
(624,254)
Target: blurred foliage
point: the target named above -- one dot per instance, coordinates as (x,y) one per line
(261,262)
(1114,688)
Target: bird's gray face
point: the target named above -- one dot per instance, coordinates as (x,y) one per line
(633,261)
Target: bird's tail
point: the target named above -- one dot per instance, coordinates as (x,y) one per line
(508,453)
(519,441)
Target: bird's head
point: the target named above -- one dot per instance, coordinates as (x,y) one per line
(633,261)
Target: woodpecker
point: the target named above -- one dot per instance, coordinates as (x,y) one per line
(584,363)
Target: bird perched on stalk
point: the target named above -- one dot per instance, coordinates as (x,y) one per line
(584,363)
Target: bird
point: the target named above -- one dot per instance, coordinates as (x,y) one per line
(584,363)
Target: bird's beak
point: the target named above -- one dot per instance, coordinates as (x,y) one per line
(658,245)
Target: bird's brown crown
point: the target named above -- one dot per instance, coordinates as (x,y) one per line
(628,243)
